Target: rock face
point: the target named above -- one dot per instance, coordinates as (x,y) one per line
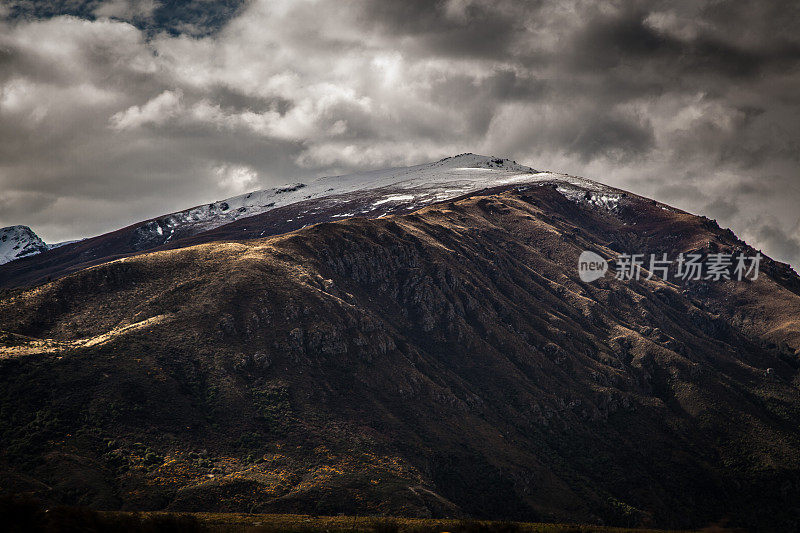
(19,241)
(446,362)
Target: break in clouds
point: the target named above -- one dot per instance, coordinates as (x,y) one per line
(116,111)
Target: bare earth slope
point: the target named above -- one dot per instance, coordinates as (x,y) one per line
(446,362)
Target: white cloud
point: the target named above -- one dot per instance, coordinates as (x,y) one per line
(156,111)
(236,178)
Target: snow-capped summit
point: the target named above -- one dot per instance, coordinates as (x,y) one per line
(19,241)
(369,194)
(414,187)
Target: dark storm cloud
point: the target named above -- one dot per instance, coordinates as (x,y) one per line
(471,29)
(607,41)
(507,84)
(131,108)
(778,242)
(721,208)
(611,135)
(621,39)
(233,99)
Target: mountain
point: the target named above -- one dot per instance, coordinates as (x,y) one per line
(19,241)
(287,208)
(444,360)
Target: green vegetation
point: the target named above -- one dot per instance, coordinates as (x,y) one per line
(272,404)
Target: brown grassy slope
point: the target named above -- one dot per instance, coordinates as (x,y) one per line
(447,362)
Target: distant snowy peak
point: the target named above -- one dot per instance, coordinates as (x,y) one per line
(19,241)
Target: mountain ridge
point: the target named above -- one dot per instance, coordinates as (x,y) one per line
(369,193)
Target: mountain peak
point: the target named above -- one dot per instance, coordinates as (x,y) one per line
(365,194)
(19,241)
(415,186)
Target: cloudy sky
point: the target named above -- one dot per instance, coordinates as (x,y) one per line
(116,111)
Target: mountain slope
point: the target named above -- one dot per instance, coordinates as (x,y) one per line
(275,211)
(443,362)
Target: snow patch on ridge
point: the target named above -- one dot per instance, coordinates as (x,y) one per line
(605,199)
(395,198)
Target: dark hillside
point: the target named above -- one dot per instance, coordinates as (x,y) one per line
(443,363)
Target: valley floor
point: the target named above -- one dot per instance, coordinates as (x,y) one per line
(369,524)
(21,515)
